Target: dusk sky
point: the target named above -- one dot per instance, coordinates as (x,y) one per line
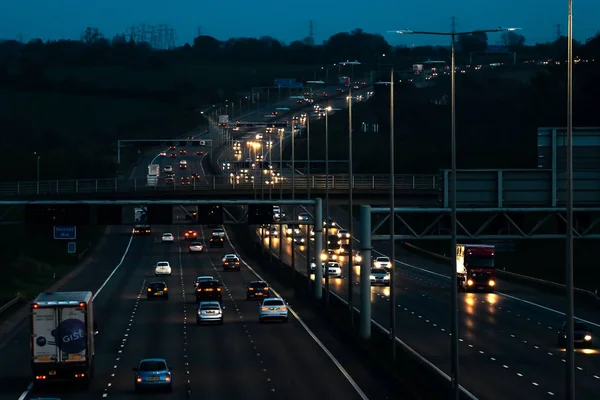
(66,19)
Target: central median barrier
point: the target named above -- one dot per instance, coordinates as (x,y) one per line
(411,374)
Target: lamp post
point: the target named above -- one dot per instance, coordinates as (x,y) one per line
(350,211)
(37,162)
(392,223)
(293,166)
(453,289)
(308,155)
(570,356)
(327,110)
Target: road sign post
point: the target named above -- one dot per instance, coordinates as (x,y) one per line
(65,232)
(72,247)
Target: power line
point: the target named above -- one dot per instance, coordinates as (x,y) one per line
(159,37)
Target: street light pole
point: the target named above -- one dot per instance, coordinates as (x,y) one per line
(350,212)
(392,224)
(453,288)
(308,155)
(293,165)
(326,203)
(570,356)
(37,161)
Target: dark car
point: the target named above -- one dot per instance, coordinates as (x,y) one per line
(157,289)
(140,230)
(209,290)
(190,235)
(169,180)
(186,180)
(216,241)
(230,262)
(582,336)
(257,289)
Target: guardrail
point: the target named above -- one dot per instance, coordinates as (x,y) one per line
(11,303)
(511,275)
(221,183)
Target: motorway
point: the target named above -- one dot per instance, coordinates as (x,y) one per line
(507,339)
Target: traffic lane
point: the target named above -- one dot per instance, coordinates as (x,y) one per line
(156,328)
(223,359)
(552,304)
(429,341)
(16,375)
(289,355)
(111,315)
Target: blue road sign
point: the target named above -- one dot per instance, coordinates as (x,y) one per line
(65,232)
(71,247)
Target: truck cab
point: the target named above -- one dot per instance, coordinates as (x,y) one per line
(475,267)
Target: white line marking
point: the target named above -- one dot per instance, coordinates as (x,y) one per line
(307,329)
(30,386)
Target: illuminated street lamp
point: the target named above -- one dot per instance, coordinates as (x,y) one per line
(454,294)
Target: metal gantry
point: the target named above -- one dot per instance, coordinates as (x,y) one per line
(487,223)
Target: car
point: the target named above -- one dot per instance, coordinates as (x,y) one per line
(186,180)
(168,237)
(162,268)
(291,230)
(172,147)
(209,290)
(173,155)
(218,232)
(343,234)
(272,308)
(190,235)
(183,165)
(169,180)
(202,278)
(257,289)
(329,255)
(582,336)
(382,262)
(140,230)
(380,276)
(333,269)
(343,250)
(199,153)
(303,216)
(271,231)
(299,240)
(183,152)
(209,311)
(153,374)
(196,247)
(157,289)
(230,261)
(168,168)
(333,242)
(162,154)
(216,241)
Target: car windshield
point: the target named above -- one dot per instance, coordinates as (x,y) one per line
(209,284)
(377,271)
(383,259)
(153,366)
(158,286)
(273,303)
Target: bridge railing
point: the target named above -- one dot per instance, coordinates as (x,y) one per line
(336,182)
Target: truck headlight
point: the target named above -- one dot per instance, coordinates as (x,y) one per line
(492,283)
(587,338)
(470,282)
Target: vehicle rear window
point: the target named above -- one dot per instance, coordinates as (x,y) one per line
(209,307)
(157,285)
(273,303)
(162,264)
(258,284)
(153,366)
(209,284)
(196,243)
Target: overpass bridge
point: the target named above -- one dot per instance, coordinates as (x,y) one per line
(411,190)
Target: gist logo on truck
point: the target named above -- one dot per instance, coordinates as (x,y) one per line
(70,336)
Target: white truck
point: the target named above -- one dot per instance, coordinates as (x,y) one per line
(62,337)
(153,175)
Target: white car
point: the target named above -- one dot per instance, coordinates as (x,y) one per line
(382,262)
(162,268)
(303,217)
(168,237)
(333,269)
(272,308)
(209,311)
(196,247)
(162,154)
(380,276)
(168,168)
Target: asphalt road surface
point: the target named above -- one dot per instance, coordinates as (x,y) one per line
(507,339)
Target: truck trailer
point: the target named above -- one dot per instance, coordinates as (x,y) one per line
(62,337)
(475,267)
(153,175)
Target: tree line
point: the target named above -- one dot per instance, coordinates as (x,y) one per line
(96,49)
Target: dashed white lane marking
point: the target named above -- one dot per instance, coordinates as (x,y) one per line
(186,359)
(124,339)
(241,318)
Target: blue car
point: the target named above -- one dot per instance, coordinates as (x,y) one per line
(153,374)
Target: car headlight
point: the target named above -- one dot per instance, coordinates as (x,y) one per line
(587,337)
(372,277)
(386,278)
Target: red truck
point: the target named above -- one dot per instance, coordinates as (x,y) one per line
(475,267)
